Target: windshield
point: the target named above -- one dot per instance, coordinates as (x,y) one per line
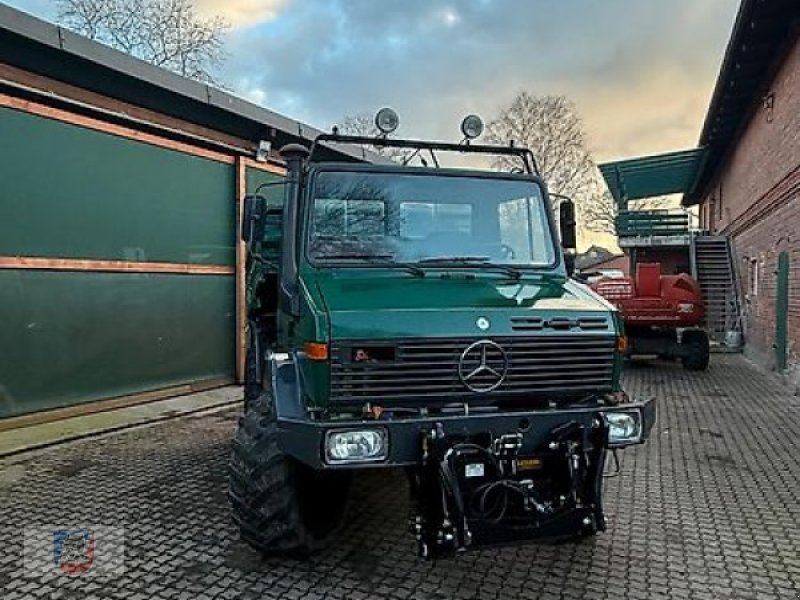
(409,218)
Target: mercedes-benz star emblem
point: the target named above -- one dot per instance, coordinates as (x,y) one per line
(483,366)
(482,323)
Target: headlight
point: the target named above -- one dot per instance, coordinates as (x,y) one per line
(362,445)
(624,428)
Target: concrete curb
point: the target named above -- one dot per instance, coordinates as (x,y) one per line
(36,437)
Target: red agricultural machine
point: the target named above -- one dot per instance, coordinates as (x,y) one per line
(663,314)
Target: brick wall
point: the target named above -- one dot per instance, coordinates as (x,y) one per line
(755,198)
(757,248)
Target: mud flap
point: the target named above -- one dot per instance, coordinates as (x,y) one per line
(477,491)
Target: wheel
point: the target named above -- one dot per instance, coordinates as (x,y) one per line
(280,505)
(258,335)
(252,384)
(696,352)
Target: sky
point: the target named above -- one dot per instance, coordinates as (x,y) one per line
(641,72)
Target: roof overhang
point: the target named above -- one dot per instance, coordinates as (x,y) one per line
(656,175)
(45,49)
(764,31)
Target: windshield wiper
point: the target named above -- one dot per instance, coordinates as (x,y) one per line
(482,261)
(362,255)
(381,259)
(452,259)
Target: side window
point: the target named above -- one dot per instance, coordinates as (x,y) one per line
(523,230)
(328,217)
(418,220)
(348,218)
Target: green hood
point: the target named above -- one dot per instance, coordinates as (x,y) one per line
(380,304)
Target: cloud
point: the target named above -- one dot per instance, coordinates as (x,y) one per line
(448,16)
(44,9)
(242,13)
(660,112)
(641,73)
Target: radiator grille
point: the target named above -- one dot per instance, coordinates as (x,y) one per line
(429,368)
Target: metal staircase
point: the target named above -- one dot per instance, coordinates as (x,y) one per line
(714,268)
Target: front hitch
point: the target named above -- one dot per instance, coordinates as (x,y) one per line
(479,490)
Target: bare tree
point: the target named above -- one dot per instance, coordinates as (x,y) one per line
(166,33)
(600,214)
(552,128)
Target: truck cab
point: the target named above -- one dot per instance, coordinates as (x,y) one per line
(424,318)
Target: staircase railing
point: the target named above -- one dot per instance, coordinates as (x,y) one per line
(731,309)
(738,292)
(632,223)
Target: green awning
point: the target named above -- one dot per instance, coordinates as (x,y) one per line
(648,176)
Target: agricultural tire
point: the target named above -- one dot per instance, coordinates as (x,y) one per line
(280,505)
(252,385)
(697,351)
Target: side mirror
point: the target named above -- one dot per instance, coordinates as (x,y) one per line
(254,212)
(569,234)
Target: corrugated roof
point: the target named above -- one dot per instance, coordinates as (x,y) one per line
(656,175)
(55,52)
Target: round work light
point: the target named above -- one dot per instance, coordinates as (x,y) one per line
(386,121)
(471,126)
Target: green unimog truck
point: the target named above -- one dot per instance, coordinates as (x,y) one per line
(424,318)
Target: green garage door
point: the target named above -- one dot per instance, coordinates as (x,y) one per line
(72,336)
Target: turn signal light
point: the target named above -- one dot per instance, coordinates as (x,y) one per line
(622,343)
(316,350)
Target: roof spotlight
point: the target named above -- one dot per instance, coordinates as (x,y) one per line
(386,121)
(471,126)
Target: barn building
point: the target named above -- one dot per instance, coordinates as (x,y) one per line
(749,186)
(121,277)
(743,180)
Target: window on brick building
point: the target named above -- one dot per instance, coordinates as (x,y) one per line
(754,276)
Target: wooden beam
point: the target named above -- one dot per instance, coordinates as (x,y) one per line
(111,266)
(89,408)
(64,116)
(241,275)
(265,166)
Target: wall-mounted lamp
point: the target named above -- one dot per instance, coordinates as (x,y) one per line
(769,104)
(263,150)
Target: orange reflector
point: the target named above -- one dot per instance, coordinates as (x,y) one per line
(316,350)
(529,464)
(622,343)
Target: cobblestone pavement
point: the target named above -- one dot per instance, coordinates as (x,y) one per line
(710,508)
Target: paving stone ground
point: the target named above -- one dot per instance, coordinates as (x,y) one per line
(709,508)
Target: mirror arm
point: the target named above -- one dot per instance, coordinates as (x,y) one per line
(568,227)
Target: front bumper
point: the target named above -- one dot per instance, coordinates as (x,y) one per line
(304,438)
